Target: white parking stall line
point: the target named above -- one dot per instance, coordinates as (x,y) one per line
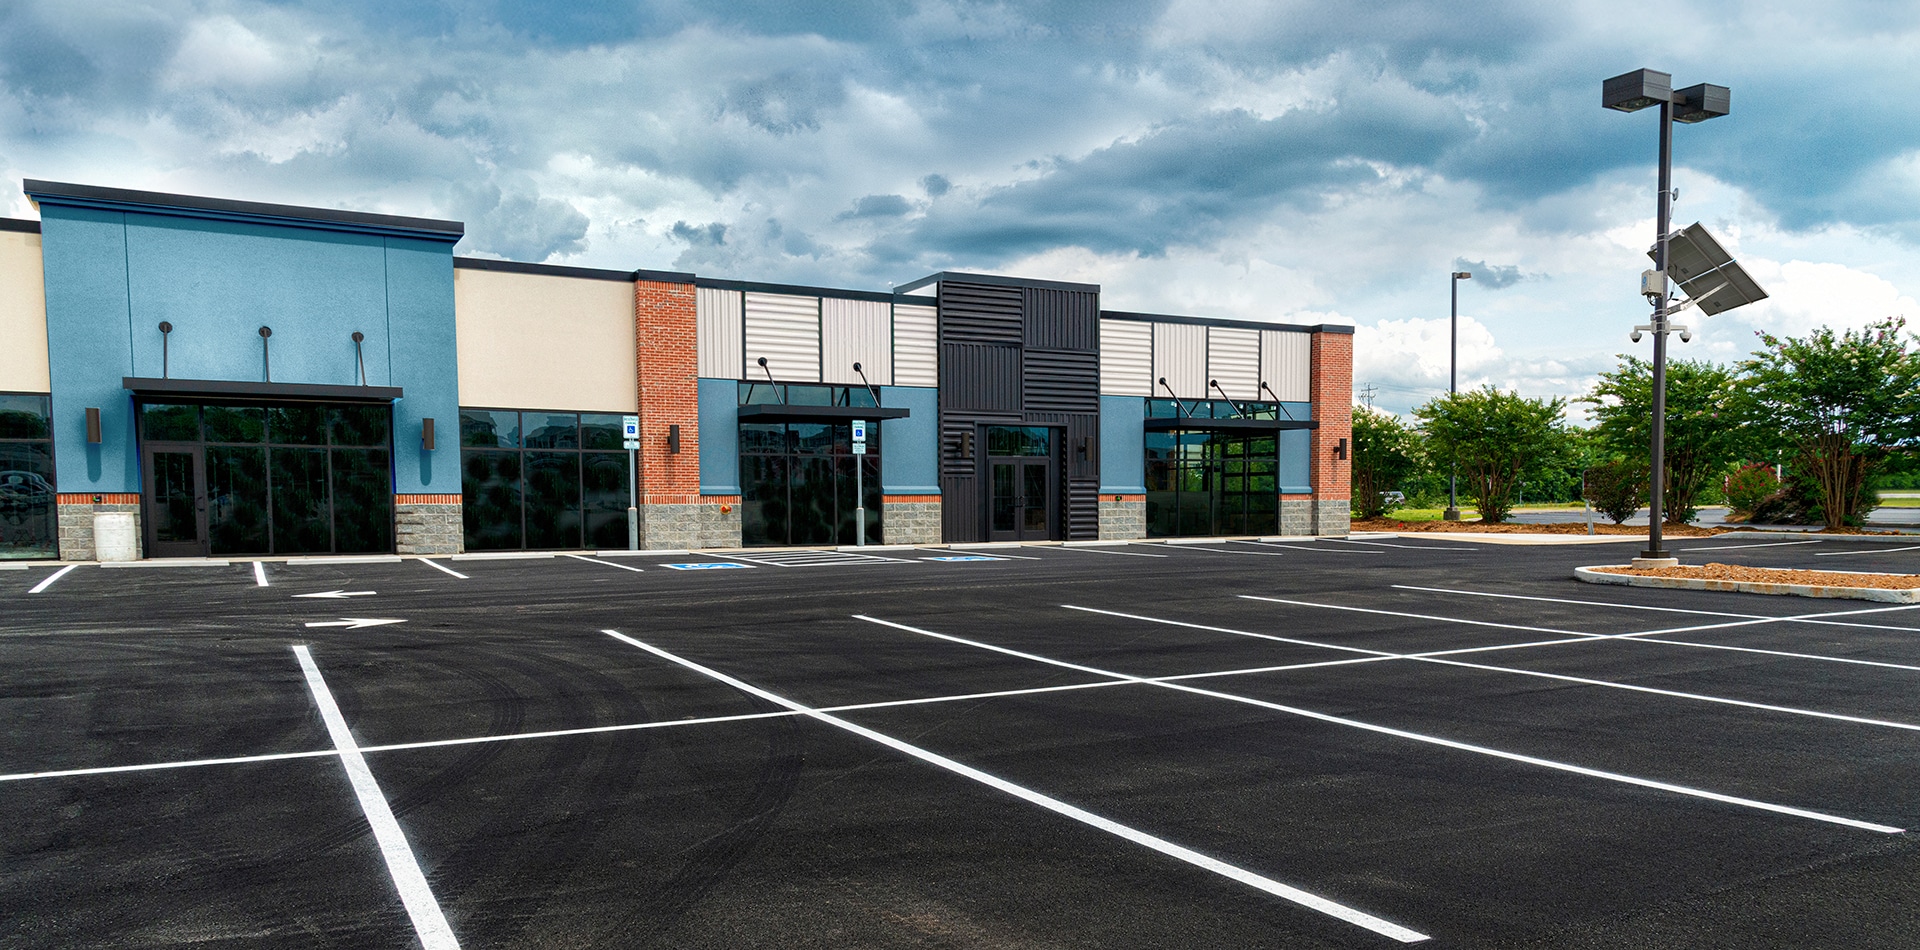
(1440,659)
(56,575)
(436,565)
(1287,892)
(1193,547)
(1307,547)
(1796,618)
(259,574)
(1578,636)
(1868,551)
(994,552)
(429,924)
(1094,550)
(1456,548)
(1743,547)
(1440,741)
(595,560)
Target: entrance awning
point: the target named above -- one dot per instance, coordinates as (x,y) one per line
(231,389)
(1228,425)
(773,412)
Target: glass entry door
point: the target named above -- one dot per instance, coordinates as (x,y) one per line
(1023,486)
(176,496)
(1211,484)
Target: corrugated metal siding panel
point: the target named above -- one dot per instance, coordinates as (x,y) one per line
(1060,381)
(1233,358)
(1062,319)
(979,313)
(785,330)
(1126,358)
(1286,363)
(916,346)
(980,379)
(856,331)
(717,316)
(1180,355)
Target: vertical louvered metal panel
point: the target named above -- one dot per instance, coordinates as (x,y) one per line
(855,331)
(1233,358)
(1061,319)
(1180,356)
(785,330)
(916,345)
(1126,358)
(976,379)
(1286,363)
(717,315)
(979,313)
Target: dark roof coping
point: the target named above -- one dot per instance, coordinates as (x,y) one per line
(22,225)
(997,280)
(1224,322)
(153,202)
(878,296)
(546,270)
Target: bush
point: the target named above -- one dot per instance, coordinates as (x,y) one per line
(1796,501)
(1617,489)
(1750,485)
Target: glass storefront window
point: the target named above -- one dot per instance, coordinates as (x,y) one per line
(798,484)
(164,423)
(533,479)
(1018,441)
(28,518)
(236,424)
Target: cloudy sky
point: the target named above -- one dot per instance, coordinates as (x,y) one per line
(1299,161)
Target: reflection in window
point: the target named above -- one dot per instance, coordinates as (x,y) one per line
(798,484)
(542,480)
(28,518)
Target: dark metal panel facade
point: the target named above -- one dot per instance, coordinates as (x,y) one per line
(1019,355)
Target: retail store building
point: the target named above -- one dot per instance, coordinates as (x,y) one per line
(251,379)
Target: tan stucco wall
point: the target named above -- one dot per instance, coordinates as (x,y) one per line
(533,341)
(23,315)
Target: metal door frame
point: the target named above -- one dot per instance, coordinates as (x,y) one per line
(154,546)
(1056,483)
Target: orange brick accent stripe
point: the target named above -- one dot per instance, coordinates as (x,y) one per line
(909,499)
(106,498)
(426,499)
(658,498)
(1126,497)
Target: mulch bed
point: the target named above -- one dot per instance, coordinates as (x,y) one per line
(1599,527)
(1715,571)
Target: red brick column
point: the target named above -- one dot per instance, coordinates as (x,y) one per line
(1332,395)
(669,392)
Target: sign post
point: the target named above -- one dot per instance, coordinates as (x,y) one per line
(630,440)
(860,482)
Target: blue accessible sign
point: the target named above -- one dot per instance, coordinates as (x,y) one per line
(706,566)
(967,557)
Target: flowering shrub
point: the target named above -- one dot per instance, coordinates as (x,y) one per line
(1750,485)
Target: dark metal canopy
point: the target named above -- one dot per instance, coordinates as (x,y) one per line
(773,412)
(1169,424)
(231,389)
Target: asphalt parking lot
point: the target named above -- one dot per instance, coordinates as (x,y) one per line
(1228,744)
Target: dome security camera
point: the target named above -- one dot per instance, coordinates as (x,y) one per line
(1634,336)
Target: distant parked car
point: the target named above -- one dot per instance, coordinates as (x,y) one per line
(23,493)
(1393,499)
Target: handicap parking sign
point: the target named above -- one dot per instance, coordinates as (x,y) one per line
(967,557)
(706,566)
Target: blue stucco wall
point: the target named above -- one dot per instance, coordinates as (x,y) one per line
(719,437)
(1123,446)
(910,453)
(112,276)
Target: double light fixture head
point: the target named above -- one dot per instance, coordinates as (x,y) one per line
(1631,92)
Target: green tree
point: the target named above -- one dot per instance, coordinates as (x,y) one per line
(1496,439)
(1839,403)
(1385,451)
(1703,436)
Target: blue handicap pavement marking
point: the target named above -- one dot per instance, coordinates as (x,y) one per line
(967,557)
(705,566)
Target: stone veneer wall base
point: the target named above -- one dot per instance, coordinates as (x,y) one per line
(428,528)
(1123,520)
(1296,516)
(76,526)
(689,527)
(910,522)
(1333,518)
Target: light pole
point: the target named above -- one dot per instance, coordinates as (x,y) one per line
(1453,386)
(1631,92)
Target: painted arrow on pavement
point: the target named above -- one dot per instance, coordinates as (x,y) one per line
(354,623)
(339,594)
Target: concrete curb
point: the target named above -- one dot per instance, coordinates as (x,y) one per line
(1878,595)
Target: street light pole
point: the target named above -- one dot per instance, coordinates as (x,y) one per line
(1631,92)
(1453,387)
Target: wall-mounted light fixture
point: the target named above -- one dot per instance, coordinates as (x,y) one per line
(93,426)
(1085,448)
(165,329)
(966,444)
(426,434)
(266,357)
(673,440)
(1340,451)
